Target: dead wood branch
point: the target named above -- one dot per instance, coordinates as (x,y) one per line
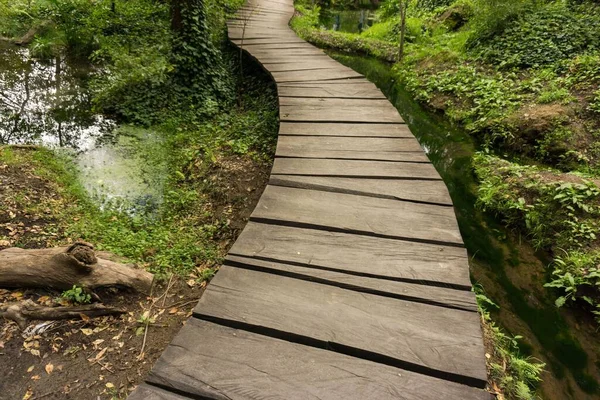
(24,311)
(62,267)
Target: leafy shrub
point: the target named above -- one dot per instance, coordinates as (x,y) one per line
(76,295)
(577,275)
(489,97)
(386,30)
(542,36)
(431,5)
(595,103)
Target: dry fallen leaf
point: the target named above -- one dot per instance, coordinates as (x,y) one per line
(109,385)
(35,352)
(173,310)
(98,356)
(49,368)
(4,243)
(30,369)
(28,394)
(35,378)
(86,331)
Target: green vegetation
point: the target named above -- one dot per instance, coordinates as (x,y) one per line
(514,375)
(523,78)
(76,295)
(172,71)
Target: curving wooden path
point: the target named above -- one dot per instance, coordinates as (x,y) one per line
(351,280)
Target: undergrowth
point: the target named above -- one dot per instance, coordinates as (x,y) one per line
(512,375)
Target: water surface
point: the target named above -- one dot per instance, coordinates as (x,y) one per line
(49,103)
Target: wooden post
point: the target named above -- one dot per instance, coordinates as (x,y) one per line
(403,6)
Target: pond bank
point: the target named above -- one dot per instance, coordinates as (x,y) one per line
(511,272)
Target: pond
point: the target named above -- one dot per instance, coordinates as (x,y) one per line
(353,21)
(49,103)
(510,271)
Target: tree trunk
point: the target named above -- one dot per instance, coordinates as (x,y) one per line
(62,267)
(403,6)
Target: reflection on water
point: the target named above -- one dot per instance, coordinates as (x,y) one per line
(46,102)
(128,174)
(353,21)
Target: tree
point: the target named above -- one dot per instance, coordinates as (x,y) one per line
(199,66)
(403,6)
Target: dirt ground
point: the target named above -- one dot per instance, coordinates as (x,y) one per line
(106,357)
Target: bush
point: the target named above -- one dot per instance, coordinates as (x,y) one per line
(542,36)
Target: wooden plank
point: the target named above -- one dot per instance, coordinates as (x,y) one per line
(147,392)
(344,129)
(337,89)
(337,110)
(363,255)
(277,46)
(323,74)
(354,169)
(359,214)
(282,52)
(410,190)
(440,296)
(217,362)
(285,40)
(444,342)
(281,67)
(386,149)
(237,33)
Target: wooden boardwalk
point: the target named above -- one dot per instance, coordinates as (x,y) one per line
(351,280)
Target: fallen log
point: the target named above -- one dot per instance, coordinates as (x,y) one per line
(62,267)
(27,310)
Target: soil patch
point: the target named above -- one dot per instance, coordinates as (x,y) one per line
(102,358)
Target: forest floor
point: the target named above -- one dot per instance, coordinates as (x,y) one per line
(104,357)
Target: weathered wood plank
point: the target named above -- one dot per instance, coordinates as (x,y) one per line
(337,110)
(354,88)
(386,149)
(251,47)
(285,40)
(354,169)
(147,392)
(344,129)
(447,343)
(282,67)
(322,74)
(440,296)
(409,190)
(218,362)
(359,214)
(378,257)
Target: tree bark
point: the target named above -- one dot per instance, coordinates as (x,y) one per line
(24,311)
(62,267)
(403,6)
